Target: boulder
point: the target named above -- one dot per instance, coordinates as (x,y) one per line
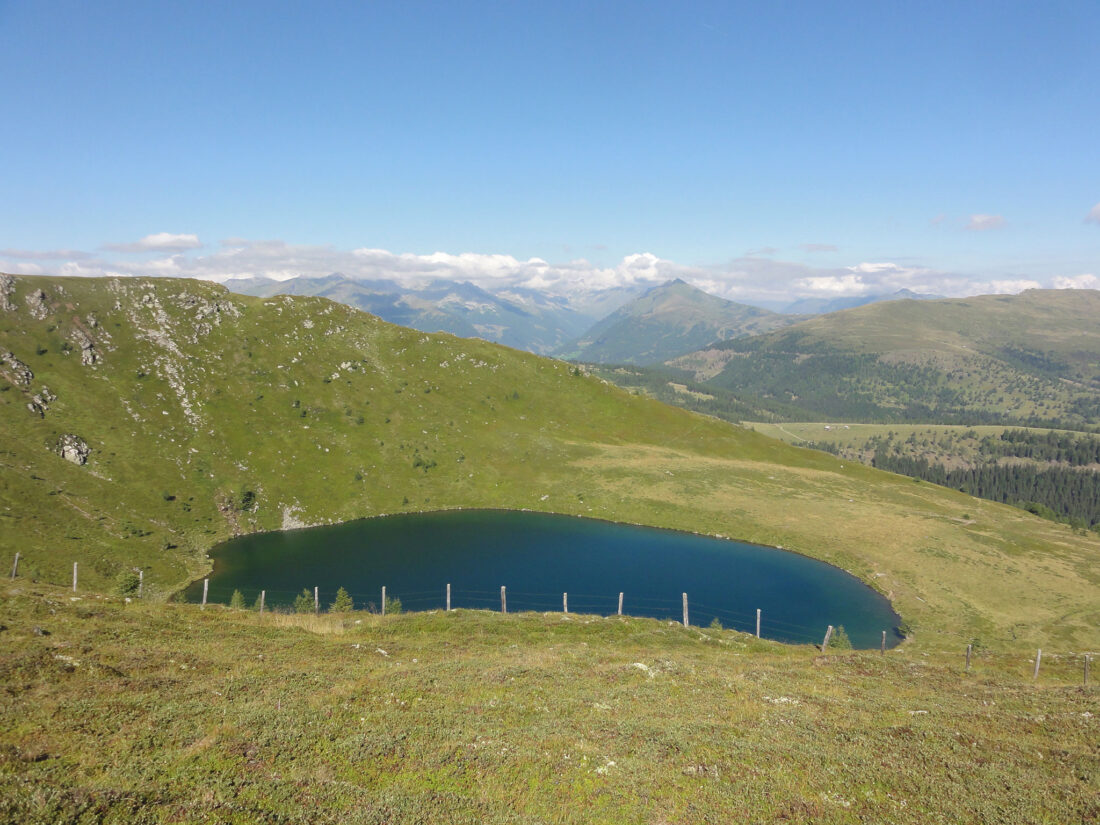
(73,448)
(38,304)
(15,370)
(88,354)
(41,401)
(7,288)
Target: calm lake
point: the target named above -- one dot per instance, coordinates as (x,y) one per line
(539,557)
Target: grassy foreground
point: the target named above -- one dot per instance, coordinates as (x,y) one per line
(167,713)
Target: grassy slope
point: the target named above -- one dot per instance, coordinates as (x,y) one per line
(154,713)
(504,428)
(1028,355)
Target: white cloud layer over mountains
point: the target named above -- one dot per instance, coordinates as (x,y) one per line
(753,277)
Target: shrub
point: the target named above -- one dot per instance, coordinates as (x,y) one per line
(393,605)
(256,604)
(127,583)
(236,601)
(304,602)
(343,603)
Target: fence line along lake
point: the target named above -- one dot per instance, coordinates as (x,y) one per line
(539,557)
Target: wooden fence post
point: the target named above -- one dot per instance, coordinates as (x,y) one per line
(383,600)
(15,567)
(686,624)
(141,583)
(1087,659)
(74,576)
(828,635)
(316,600)
(263,595)
(758,623)
(448,597)
(882,649)
(1038,658)
(205,590)
(503,600)
(620,604)
(968,649)
(564,602)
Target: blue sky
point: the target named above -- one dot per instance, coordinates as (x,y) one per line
(756,149)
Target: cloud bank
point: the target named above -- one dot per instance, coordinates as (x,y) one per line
(751,278)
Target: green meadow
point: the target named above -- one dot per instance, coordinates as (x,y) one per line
(207,415)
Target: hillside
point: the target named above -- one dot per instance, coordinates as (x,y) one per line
(1053,473)
(1032,358)
(666,321)
(167,713)
(523,319)
(200,414)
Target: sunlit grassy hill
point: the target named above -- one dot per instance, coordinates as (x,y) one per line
(1027,358)
(206,414)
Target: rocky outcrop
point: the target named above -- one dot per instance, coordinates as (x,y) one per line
(7,289)
(39,305)
(15,370)
(40,402)
(88,354)
(73,448)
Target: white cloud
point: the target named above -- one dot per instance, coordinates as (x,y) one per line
(1094,214)
(981,223)
(1085,281)
(158,242)
(817,247)
(749,278)
(1007,287)
(833,285)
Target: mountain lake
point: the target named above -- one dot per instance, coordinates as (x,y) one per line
(538,557)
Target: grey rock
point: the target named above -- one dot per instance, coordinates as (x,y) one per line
(88,354)
(38,304)
(15,370)
(41,401)
(73,448)
(7,288)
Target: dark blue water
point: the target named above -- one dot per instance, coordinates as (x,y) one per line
(538,557)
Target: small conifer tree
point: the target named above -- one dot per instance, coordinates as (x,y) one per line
(840,639)
(343,603)
(236,601)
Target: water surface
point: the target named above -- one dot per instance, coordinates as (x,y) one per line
(538,557)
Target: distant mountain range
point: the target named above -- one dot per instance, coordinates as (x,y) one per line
(521,318)
(667,321)
(822,306)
